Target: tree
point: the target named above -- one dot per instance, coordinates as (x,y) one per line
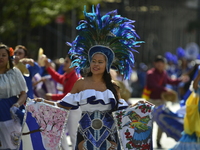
(19,17)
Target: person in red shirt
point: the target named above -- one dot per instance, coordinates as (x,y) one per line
(156,81)
(67,80)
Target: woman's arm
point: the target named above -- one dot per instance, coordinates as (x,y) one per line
(51,103)
(37,82)
(75,89)
(21,99)
(196,81)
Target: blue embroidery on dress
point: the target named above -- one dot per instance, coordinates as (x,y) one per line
(96,127)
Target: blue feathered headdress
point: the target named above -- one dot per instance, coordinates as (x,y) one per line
(180,52)
(175,59)
(169,56)
(109,32)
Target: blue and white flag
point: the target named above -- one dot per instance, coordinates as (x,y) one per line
(43,127)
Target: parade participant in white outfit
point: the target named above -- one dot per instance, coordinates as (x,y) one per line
(102,42)
(12,95)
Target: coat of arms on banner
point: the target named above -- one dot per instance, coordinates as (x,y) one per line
(134,125)
(43,127)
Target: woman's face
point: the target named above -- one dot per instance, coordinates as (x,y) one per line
(98,64)
(67,65)
(19,54)
(3,58)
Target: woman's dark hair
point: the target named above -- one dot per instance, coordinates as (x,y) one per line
(191,75)
(110,85)
(2,46)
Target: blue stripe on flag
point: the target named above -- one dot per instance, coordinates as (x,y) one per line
(36,138)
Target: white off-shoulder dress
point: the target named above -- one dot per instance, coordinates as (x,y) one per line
(96,127)
(11,84)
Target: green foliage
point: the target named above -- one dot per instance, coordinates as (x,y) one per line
(33,13)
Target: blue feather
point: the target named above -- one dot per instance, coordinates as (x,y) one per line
(110,30)
(180,52)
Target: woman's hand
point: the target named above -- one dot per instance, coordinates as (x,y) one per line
(16,105)
(21,100)
(38,99)
(50,102)
(142,102)
(184,78)
(27,61)
(113,146)
(48,96)
(47,63)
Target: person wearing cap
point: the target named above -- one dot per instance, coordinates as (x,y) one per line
(156,81)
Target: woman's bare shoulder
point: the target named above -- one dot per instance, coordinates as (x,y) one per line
(81,80)
(79,85)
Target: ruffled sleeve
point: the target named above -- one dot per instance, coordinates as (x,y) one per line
(88,97)
(12,83)
(122,104)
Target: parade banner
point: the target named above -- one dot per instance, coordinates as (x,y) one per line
(44,126)
(134,126)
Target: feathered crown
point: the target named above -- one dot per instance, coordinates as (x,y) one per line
(180,52)
(175,59)
(109,32)
(169,56)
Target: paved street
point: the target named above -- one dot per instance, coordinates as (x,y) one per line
(166,142)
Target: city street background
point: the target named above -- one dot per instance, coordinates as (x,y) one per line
(163,25)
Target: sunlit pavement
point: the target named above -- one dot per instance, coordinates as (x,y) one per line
(166,142)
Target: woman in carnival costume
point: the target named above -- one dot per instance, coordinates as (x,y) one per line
(191,136)
(102,42)
(12,96)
